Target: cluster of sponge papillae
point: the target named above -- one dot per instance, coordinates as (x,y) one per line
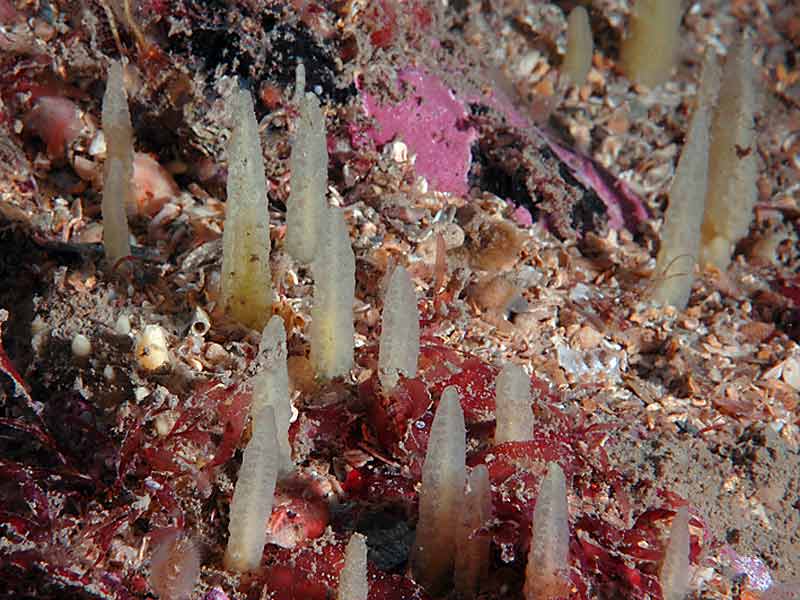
(613,549)
(605,549)
(365,383)
(484,462)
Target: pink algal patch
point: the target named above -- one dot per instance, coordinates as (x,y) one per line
(522,216)
(433,123)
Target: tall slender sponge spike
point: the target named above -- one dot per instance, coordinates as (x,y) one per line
(680,235)
(648,53)
(271,385)
(513,412)
(309,181)
(246,288)
(299,83)
(546,573)
(580,46)
(441,496)
(399,347)
(334,271)
(472,559)
(118,178)
(253,496)
(732,164)
(353,584)
(674,574)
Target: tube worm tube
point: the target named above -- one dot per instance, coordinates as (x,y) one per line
(648,52)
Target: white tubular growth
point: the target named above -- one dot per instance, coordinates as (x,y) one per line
(472,559)
(253,495)
(649,50)
(674,574)
(309,178)
(680,235)
(271,385)
(580,46)
(441,496)
(118,177)
(546,571)
(353,583)
(299,83)
(246,286)
(399,345)
(332,331)
(732,164)
(513,412)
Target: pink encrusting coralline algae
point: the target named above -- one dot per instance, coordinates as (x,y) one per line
(432,122)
